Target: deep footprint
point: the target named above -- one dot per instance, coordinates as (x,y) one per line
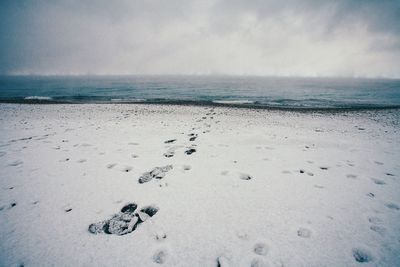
(124,222)
(157,173)
(190,151)
(260,249)
(361,255)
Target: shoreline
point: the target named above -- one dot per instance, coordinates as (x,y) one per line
(208,104)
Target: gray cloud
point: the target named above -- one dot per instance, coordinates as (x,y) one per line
(252,37)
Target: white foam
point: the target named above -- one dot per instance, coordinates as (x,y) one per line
(38,98)
(233,101)
(128,100)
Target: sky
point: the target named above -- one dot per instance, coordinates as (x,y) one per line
(351,38)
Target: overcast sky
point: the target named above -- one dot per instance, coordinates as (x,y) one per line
(244,37)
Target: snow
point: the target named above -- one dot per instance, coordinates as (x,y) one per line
(258,188)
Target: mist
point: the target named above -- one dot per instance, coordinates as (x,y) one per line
(291,38)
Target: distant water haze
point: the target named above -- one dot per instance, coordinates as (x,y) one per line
(269,92)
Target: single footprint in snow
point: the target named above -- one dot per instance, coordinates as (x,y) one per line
(160,235)
(378,181)
(16,163)
(157,173)
(392,206)
(258,263)
(111,165)
(260,249)
(378,229)
(304,232)
(169,141)
(374,220)
(371,195)
(190,151)
(222,261)
(362,255)
(133,144)
(187,167)
(245,176)
(160,256)
(124,222)
(81,160)
(171,151)
(119,167)
(351,176)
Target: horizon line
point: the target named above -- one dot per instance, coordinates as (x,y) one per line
(201,75)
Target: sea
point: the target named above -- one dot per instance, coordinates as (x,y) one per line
(241,91)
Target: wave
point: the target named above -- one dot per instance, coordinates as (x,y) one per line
(233,102)
(128,100)
(34,97)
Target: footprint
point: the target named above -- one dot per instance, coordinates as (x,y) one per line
(351,176)
(160,235)
(187,167)
(119,167)
(375,220)
(392,206)
(134,156)
(261,249)
(324,168)
(362,255)
(245,176)
(16,163)
(380,230)
(157,173)
(258,263)
(81,160)
(222,261)
(378,181)
(124,222)
(224,173)
(190,151)
(133,144)
(111,165)
(169,141)
(160,256)
(304,232)
(171,151)
(371,195)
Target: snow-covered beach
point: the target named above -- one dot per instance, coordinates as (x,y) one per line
(234,187)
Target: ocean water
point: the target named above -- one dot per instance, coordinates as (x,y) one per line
(264,92)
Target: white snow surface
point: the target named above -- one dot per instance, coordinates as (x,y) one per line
(263,188)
